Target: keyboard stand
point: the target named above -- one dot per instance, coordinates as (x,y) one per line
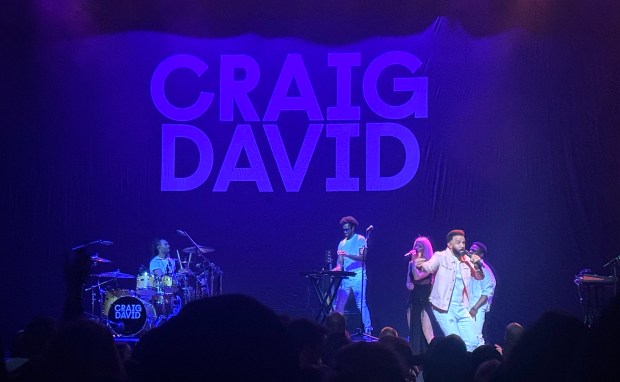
(326,294)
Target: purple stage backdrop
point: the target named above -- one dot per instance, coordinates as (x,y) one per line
(257,133)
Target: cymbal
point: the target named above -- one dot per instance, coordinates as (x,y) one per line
(114,275)
(201,249)
(98,259)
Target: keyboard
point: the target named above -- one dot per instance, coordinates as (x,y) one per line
(328,273)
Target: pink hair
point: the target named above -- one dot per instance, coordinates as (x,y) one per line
(427,251)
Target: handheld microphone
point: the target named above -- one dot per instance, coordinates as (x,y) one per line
(467,253)
(370,228)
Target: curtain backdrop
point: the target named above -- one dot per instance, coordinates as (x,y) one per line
(255,126)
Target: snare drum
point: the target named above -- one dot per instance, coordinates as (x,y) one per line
(112,295)
(145,285)
(130,316)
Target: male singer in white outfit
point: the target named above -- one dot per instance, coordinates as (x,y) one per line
(454,272)
(352,252)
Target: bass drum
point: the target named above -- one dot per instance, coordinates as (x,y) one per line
(130,316)
(112,295)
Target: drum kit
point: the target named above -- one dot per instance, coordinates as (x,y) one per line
(155,299)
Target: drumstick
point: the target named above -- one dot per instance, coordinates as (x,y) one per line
(180,262)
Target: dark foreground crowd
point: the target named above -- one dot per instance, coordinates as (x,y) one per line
(236,338)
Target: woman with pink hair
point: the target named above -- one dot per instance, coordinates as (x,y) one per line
(419,283)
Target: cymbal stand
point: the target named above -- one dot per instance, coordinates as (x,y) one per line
(93,298)
(201,274)
(190,293)
(216,273)
(212,270)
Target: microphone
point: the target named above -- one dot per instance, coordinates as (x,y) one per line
(104,242)
(467,253)
(412,252)
(370,228)
(182,233)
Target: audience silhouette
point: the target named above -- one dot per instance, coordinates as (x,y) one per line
(337,337)
(366,362)
(221,338)
(550,350)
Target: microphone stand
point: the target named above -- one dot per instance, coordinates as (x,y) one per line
(198,253)
(192,240)
(104,242)
(365,250)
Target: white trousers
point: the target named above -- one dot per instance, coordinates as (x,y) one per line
(458,321)
(354,285)
(479,321)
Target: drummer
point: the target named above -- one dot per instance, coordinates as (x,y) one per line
(161,264)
